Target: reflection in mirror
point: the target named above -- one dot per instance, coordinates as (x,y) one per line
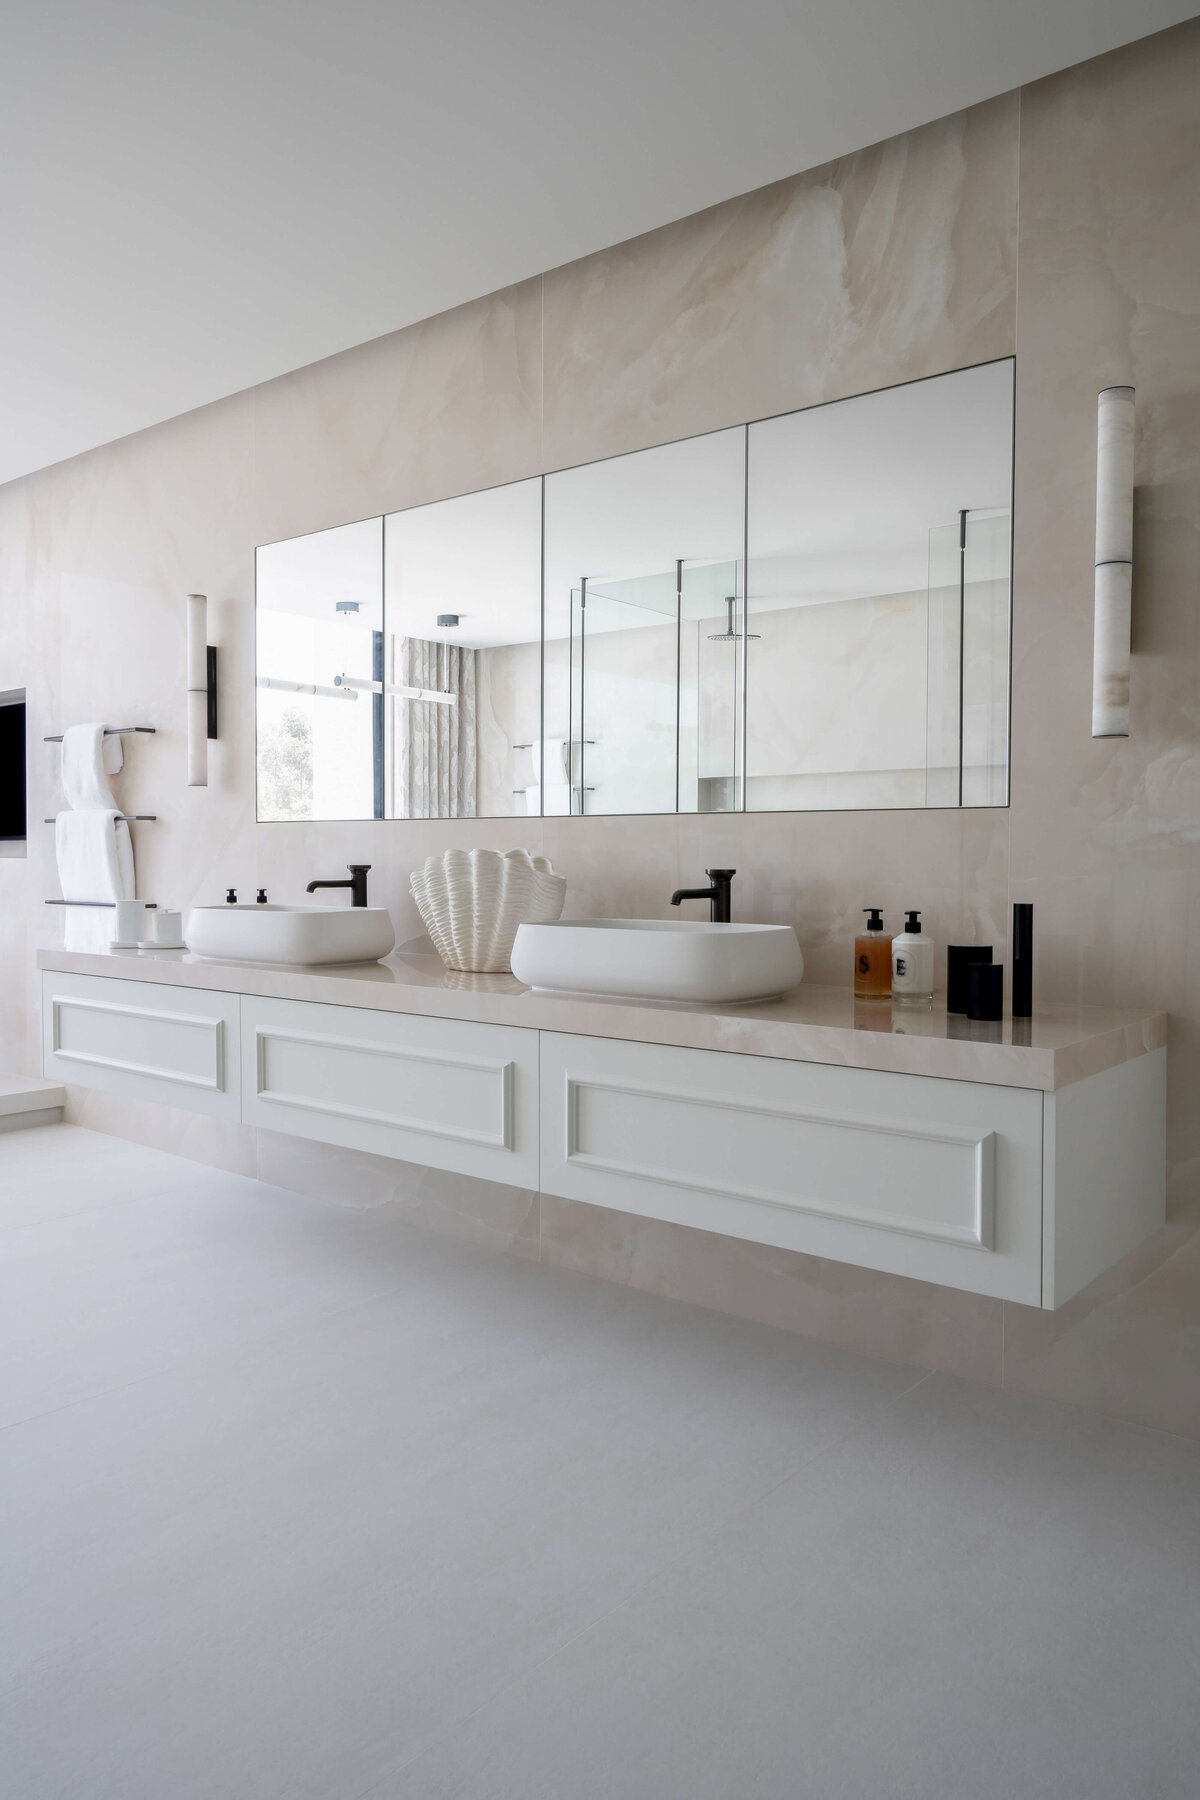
(877,660)
(462,655)
(585,644)
(319,638)
(642,572)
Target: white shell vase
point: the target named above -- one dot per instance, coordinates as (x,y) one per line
(473,900)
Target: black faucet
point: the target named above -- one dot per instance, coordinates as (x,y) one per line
(717,894)
(357,884)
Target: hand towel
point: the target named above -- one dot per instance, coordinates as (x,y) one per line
(552,757)
(95,862)
(88,759)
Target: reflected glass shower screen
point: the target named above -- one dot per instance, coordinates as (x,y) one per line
(970,623)
(810,612)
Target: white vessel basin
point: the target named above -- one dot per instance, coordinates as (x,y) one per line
(658,959)
(290,934)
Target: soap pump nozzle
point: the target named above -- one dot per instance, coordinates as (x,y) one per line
(874,917)
(912,921)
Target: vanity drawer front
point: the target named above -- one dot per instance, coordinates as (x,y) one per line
(177,1045)
(941,1180)
(445,1092)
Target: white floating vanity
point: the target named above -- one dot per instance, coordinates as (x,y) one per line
(909,1142)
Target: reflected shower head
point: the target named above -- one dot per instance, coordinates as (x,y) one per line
(729,635)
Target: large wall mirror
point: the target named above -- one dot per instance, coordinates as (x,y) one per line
(809,612)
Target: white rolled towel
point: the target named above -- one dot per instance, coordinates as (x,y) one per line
(88,759)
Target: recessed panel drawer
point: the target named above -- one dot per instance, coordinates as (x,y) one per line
(941,1180)
(175,1045)
(446,1092)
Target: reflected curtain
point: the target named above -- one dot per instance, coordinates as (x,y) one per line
(435,744)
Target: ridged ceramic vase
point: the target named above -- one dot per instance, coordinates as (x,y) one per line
(473,900)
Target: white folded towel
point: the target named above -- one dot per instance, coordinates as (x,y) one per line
(91,841)
(552,758)
(95,862)
(88,759)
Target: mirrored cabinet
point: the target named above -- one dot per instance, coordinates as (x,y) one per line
(810,612)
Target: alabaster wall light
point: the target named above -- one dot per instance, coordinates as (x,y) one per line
(1114,562)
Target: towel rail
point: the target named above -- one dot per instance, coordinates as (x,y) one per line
(109,731)
(129,818)
(150,905)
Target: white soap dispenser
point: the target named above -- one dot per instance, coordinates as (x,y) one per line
(912,962)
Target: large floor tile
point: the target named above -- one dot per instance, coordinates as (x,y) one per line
(976,1596)
(137,1261)
(52,1171)
(285,1568)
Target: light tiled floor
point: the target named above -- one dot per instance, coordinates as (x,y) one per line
(299,1502)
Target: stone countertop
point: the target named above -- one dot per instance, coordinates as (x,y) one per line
(1060,1045)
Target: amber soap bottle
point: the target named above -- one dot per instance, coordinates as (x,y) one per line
(873,959)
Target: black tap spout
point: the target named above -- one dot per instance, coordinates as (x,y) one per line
(357,884)
(718,895)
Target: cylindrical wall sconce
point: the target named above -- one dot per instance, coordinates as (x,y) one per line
(1114,562)
(201,690)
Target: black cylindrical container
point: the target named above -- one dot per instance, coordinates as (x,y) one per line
(985,998)
(959,958)
(1022,960)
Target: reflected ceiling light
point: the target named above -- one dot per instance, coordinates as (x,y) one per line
(435,695)
(347,608)
(349,684)
(448,619)
(306,687)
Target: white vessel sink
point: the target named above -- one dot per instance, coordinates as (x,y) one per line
(290,934)
(658,959)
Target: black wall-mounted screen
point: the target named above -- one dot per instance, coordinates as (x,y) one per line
(12,770)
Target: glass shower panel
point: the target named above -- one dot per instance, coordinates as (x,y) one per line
(623,540)
(943,731)
(711,683)
(987,562)
(856,598)
(968,660)
(625,642)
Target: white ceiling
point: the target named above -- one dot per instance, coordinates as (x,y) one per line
(194,198)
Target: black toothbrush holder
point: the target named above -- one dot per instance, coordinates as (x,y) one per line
(1022,960)
(985,1000)
(959,958)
